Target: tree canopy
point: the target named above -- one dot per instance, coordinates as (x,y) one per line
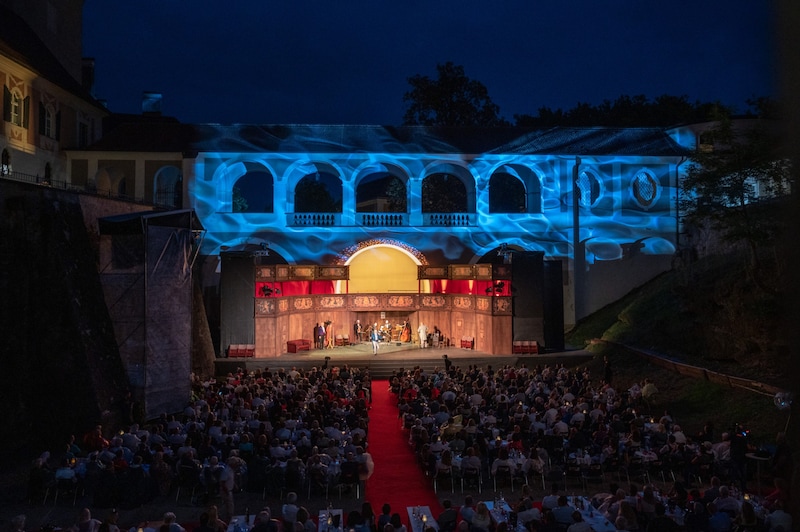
(736,181)
(627,111)
(452,99)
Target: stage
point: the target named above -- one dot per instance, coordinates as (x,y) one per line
(392,356)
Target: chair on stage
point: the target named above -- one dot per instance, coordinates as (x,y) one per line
(339,340)
(346,339)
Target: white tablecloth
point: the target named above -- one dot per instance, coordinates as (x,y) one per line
(323,519)
(421,517)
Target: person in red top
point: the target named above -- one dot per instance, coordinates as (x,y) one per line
(94,440)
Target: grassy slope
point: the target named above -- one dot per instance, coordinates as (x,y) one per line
(692,318)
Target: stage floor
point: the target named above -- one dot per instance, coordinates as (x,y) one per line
(393,356)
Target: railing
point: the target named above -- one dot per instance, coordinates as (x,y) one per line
(448,219)
(63,185)
(383,219)
(313,219)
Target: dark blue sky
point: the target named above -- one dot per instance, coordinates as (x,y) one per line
(347,62)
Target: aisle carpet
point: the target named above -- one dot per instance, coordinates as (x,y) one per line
(398,478)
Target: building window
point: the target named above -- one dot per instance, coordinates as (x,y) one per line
(83,134)
(5,167)
(15,108)
(590,190)
(49,121)
(644,189)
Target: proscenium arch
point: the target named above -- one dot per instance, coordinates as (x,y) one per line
(384,267)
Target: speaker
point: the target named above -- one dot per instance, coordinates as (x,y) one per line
(527,282)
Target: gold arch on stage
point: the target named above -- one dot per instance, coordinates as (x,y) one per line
(383,268)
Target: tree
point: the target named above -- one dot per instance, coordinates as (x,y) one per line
(735,182)
(450,100)
(625,111)
(239,202)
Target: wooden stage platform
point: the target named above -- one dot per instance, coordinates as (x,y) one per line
(392,356)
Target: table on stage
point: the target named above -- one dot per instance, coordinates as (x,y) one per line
(420,517)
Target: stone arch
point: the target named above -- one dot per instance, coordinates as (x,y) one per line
(168,186)
(463,174)
(383,265)
(362,175)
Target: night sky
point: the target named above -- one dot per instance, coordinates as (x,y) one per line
(347,62)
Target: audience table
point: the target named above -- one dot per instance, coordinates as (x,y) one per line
(420,517)
(336,520)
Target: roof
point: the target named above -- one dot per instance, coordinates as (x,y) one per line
(310,138)
(135,222)
(20,43)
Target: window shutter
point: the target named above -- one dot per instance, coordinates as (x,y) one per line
(42,112)
(6,104)
(58,126)
(26,111)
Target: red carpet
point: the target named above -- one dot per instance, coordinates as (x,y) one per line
(397,479)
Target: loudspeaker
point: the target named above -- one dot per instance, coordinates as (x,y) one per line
(527,282)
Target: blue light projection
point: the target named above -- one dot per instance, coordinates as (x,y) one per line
(627,199)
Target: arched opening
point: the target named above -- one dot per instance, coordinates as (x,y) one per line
(506,194)
(253,192)
(168,187)
(381,192)
(318,192)
(442,192)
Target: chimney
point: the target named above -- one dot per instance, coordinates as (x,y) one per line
(87,74)
(151,103)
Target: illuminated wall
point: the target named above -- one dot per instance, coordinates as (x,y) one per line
(625,210)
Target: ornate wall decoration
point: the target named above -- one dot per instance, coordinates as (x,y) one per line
(333,272)
(461,271)
(482,303)
(281,272)
(462,302)
(366,302)
(283,305)
(348,252)
(265,306)
(303,303)
(265,272)
(483,271)
(304,273)
(502,305)
(331,302)
(401,301)
(432,272)
(434,301)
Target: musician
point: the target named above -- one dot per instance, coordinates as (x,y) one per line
(357,330)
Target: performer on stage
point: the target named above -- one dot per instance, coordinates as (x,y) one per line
(319,334)
(422,331)
(375,337)
(329,334)
(357,332)
(405,335)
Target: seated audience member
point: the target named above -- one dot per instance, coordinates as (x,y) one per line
(385,517)
(661,523)
(718,521)
(579,525)
(448,518)
(86,523)
(563,512)
(550,501)
(778,520)
(289,510)
(482,520)
(397,524)
(468,509)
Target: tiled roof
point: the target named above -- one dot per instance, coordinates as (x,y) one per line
(168,136)
(20,43)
